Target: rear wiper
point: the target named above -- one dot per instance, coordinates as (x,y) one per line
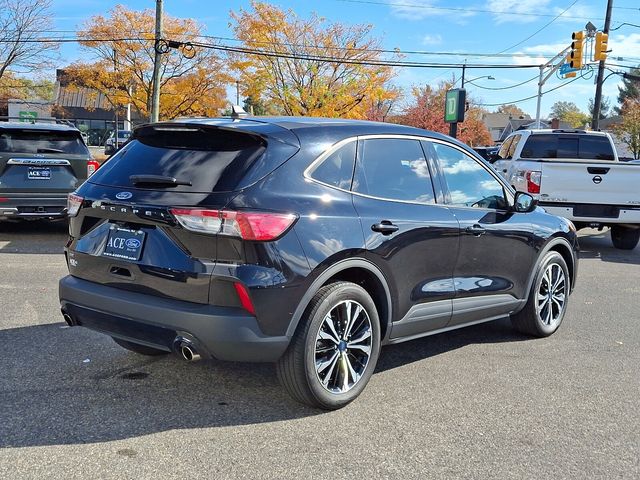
(157,180)
(49,150)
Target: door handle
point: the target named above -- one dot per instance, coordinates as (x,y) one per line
(385,227)
(476,230)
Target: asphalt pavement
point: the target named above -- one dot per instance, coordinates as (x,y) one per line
(482,402)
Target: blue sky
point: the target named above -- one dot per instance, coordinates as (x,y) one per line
(466,26)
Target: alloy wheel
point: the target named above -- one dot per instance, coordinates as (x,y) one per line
(343,346)
(551,297)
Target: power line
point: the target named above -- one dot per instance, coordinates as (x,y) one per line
(504,88)
(383,63)
(459,9)
(540,29)
(527,98)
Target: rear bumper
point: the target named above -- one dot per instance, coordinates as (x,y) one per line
(224,333)
(616,214)
(29,205)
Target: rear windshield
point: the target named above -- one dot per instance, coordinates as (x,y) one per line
(41,141)
(201,160)
(584,147)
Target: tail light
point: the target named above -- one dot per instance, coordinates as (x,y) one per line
(259,226)
(534,179)
(92,166)
(73,204)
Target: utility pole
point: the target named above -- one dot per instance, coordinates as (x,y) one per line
(597,102)
(155,96)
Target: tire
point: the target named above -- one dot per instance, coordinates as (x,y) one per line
(536,319)
(625,238)
(140,349)
(329,388)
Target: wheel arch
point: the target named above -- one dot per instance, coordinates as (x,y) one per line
(564,248)
(359,271)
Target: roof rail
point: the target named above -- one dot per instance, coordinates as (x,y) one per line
(568,131)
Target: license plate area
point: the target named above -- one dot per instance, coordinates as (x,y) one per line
(39,173)
(124,244)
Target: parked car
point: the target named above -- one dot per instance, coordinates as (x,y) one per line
(110,145)
(487,153)
(576,174)
(307,242)
(40,163)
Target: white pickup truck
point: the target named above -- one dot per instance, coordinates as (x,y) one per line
(577,175)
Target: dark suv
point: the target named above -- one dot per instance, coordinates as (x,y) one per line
(40,164)
(307,242)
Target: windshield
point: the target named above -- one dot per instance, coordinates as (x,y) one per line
(41,141)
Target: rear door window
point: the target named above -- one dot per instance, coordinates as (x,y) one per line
(393,169)
(200,159)
(15,140)
(337,169)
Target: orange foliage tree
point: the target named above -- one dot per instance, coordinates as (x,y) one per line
(122,65)
(427,111)
(302,80)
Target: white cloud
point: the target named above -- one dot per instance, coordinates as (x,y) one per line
(432,39)
(421,9)
(516,9)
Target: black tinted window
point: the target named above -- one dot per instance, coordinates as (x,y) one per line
(209,159)
(595,147)
(394,169)
(337,168)
(568,146)
(41,141)
(469,184)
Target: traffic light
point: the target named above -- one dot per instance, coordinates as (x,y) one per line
(600,49)
(576,50)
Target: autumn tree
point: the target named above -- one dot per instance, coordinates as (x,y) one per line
(629,90)
(605,105)
(628,131)
(427,112)
(309,66)
(22,23)
(570,113)
(192,79)
(512,109)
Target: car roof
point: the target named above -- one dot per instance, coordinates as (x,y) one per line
(38,126)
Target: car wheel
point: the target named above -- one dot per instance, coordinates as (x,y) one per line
(335,348)
(625,238)
(141,349)
(547,303)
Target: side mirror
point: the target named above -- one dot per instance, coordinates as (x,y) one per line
(524,203)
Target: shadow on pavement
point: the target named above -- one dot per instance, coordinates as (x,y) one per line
(595,244)
(64,386)
(38,236)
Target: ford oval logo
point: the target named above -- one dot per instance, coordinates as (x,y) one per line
(133,243)
(124,195)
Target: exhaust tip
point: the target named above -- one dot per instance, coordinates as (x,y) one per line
(68,319)
(189,353)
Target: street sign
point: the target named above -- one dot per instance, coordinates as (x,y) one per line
(454,105)
(27,117)
(566,68)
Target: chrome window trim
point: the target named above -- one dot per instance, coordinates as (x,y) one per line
(309,170)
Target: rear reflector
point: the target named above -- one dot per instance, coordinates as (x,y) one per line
(74,202)
(258,226)
(245,300)
(534,179)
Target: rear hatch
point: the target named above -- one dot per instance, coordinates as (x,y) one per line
(41,160)
(127,233)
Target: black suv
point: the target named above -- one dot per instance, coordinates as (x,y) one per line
(307,242)
(40,164)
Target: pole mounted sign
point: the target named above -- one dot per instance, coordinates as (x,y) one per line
(455,105)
